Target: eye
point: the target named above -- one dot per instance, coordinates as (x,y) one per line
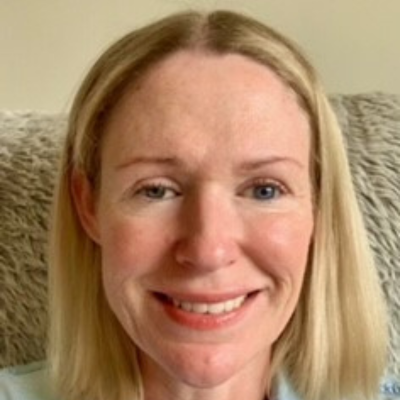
(265,191)
(156,192)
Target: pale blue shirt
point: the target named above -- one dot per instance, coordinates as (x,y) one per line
(30,382)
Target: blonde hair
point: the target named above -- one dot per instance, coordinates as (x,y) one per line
(335,344)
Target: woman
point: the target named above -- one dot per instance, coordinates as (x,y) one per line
(207,241)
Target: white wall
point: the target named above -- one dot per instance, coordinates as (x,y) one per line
(47,45)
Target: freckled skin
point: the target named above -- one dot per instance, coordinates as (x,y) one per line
(209,232)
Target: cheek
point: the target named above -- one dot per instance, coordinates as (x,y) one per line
(129,249)
(282,244)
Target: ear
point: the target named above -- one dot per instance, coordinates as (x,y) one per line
(85,204)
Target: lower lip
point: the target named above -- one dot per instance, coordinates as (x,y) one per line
(205,322)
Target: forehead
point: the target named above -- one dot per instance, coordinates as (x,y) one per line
(229,101)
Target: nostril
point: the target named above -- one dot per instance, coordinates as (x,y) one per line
(206,253)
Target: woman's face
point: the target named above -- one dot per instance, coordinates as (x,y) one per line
(204,216)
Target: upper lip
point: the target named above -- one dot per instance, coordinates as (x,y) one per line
(193,297)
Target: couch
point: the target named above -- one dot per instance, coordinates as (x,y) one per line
(29,149)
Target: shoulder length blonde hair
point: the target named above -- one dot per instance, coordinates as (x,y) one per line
(334,346)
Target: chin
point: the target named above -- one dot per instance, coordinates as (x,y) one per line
(206,374)
(211,366)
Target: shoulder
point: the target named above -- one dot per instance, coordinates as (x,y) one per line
(389,390)
(28,382)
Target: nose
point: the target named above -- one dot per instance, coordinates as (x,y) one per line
(210,232)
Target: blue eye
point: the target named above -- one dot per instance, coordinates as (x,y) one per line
(266,192)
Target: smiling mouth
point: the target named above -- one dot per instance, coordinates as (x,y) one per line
(207,308)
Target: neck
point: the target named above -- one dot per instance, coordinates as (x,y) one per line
(249,384)
(164,392)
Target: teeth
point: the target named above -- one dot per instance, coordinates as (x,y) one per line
(210,308)
(199,308)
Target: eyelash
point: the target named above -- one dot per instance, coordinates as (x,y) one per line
(146,188)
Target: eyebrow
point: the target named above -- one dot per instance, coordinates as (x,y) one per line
(245,166)
(259,163)
(171,161)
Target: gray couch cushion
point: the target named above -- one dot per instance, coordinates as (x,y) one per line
(29,148)
(371,125)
